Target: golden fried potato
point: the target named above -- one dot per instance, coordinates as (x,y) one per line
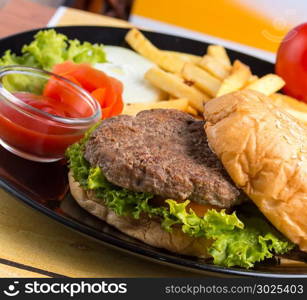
(185,56)
(214,67)
(167,61)
(239,75)
(294,107)
(201,78)
(176,86)
(219,53)
(267,84)
(192,111)
(134,108)
(252,79)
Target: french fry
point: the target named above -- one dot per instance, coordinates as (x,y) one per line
(267,84)
(219,53)
(185,56)
(175,86)
(134,108)
(252,79)
(238,77)
(192,111)
(202,79)
(143,46)
(286,262)
(197,79)
(294,107)
(214,67)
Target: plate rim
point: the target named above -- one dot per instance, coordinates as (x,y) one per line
(120,244)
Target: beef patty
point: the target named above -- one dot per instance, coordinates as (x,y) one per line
(163,152)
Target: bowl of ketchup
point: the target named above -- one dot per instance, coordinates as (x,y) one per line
(34,124)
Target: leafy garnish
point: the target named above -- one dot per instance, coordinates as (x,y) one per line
(50,48)
(46,50)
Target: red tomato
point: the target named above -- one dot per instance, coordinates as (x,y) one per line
(291,63)
(105,89)
(199,209)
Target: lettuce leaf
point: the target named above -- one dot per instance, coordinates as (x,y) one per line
(46,50)
(237,241)
(50,48)
(77,163)
(10,58)
(84,52)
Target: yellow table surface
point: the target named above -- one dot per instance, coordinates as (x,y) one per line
(33,245)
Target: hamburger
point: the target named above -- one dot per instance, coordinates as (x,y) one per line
(228,189)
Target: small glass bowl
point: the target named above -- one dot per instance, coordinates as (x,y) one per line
(34,133)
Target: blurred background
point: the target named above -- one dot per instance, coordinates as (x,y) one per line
(113,8)
(257,26)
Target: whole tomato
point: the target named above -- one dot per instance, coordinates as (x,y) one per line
(291,63)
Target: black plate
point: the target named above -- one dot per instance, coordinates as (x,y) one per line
(44,186)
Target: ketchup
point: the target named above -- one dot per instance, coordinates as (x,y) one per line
(38,135)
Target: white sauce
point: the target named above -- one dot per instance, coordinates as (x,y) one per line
(130,67)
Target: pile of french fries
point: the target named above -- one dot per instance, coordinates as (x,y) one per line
(191,81)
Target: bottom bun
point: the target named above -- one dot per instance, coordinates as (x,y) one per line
(144,229)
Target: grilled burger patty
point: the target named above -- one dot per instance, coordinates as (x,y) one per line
(163,152)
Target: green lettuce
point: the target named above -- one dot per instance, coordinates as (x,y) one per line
(50,48)
(46,50)
(239,240)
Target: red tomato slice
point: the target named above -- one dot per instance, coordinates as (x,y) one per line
(106,90)
(52,86)
(89,78)
(199,209)
(118,105)
(99,95)
(64,68)
(62,93)
(108,103)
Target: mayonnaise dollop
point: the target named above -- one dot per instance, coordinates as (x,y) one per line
(130,67)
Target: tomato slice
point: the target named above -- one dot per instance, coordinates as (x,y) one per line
(199,209)
(100,95)
(109,102)
(118,105)
(89,77)
(75,106)
(105,89)
(64,68)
